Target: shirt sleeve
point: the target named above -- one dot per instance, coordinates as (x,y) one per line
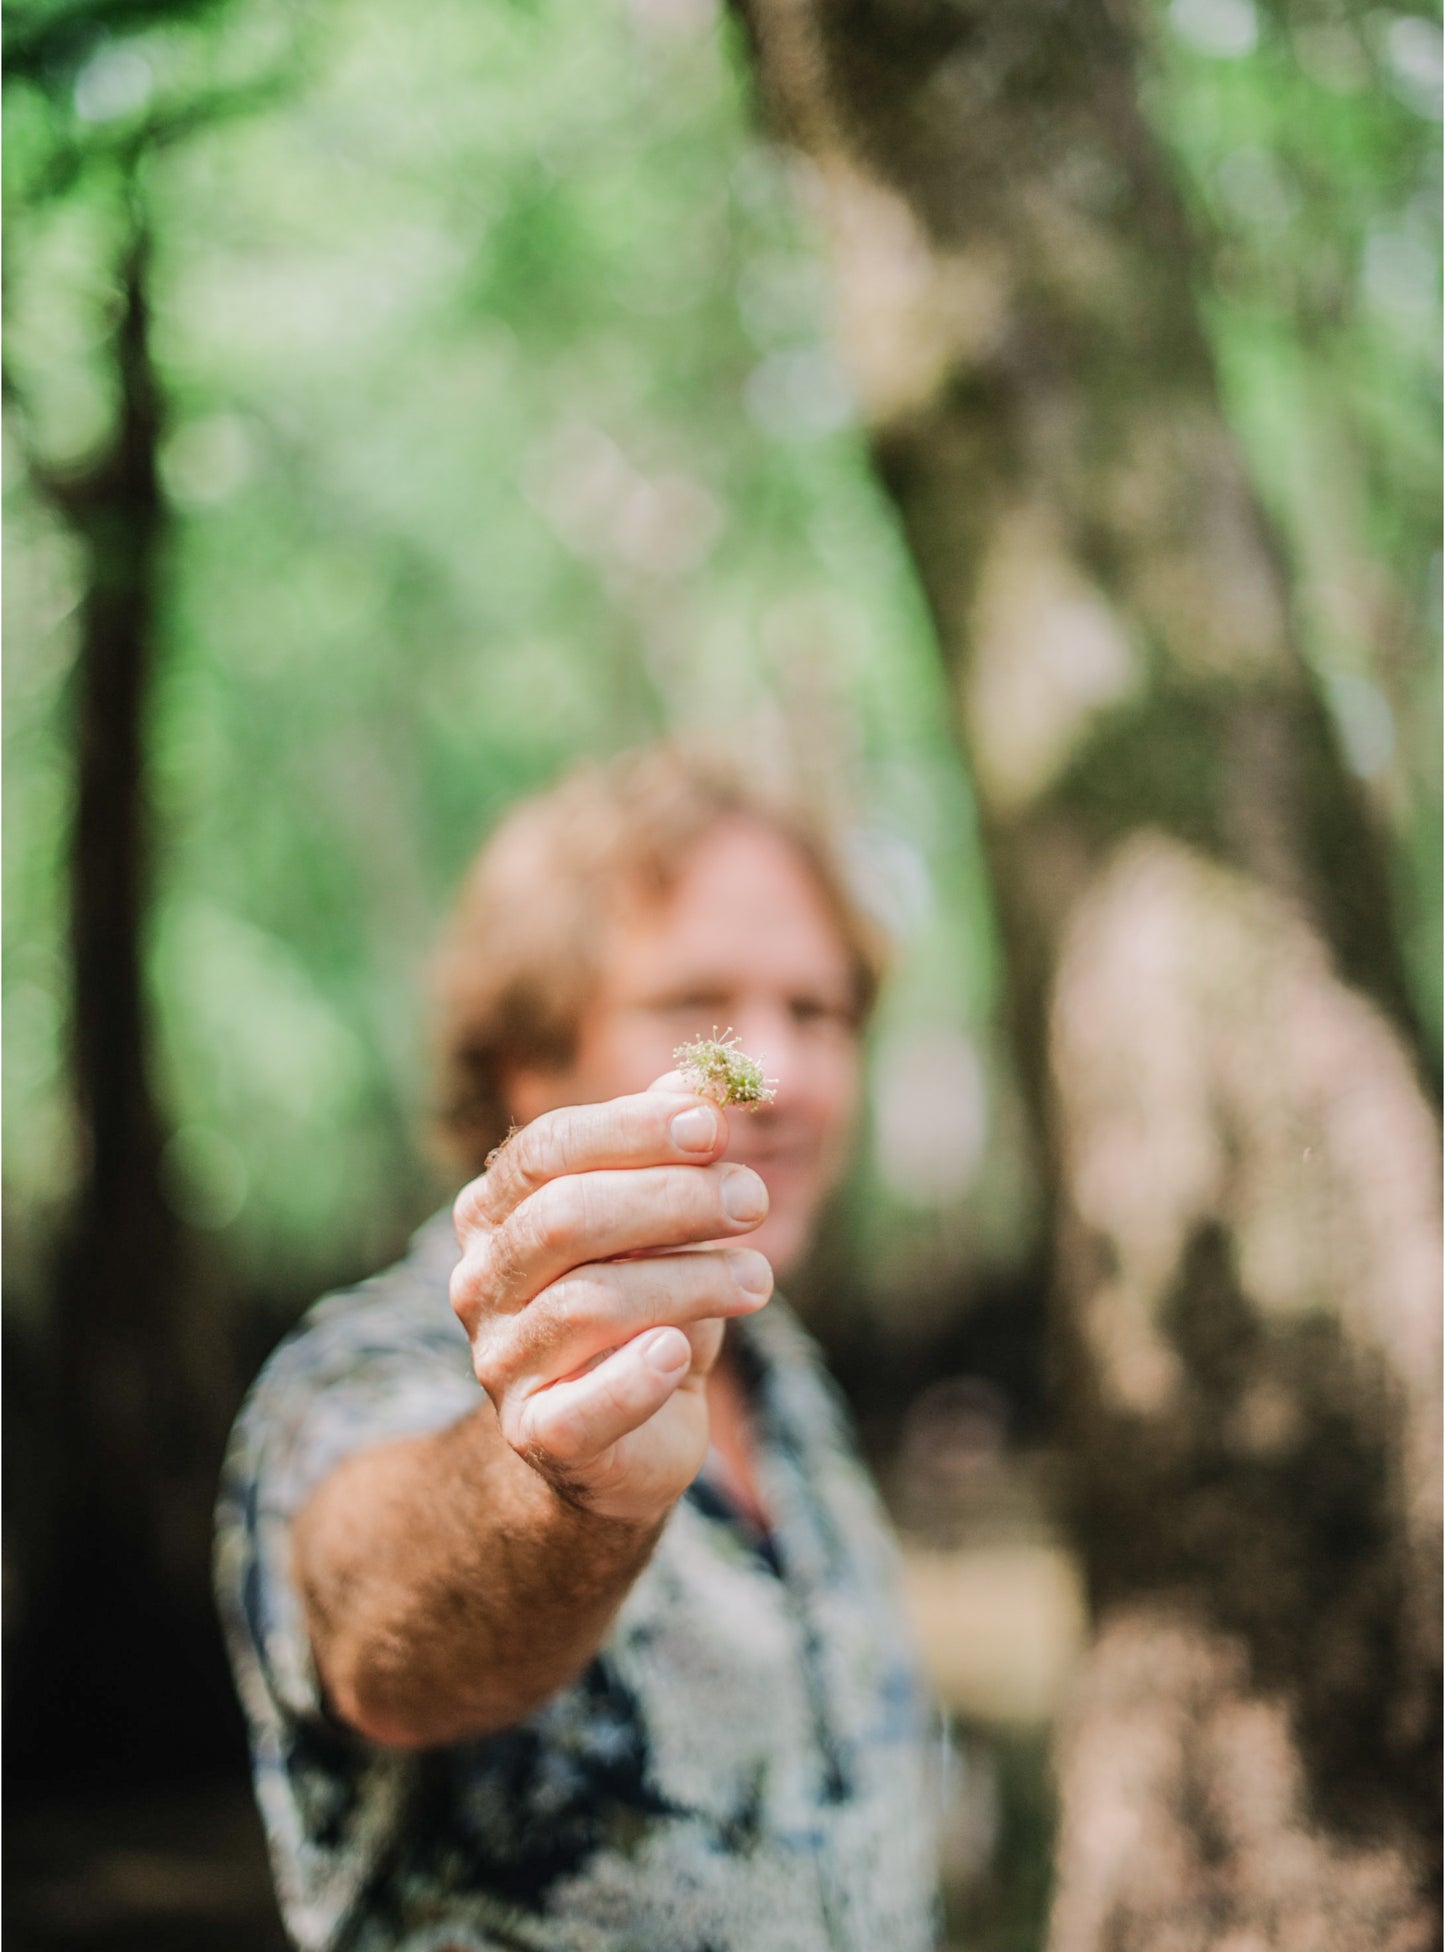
(383,1361)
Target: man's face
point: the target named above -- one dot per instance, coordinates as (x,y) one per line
(744,940)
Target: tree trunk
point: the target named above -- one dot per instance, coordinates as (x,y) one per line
(127,1446)
(1208,1007)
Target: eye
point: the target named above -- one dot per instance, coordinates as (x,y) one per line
(820,1013)
(694,1005)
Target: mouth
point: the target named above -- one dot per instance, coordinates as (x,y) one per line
(777,1156)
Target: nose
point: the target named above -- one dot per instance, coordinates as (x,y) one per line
(766,1030)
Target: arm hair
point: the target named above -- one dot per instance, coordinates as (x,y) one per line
(449,1590)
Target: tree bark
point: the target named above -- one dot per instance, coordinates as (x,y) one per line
(1207,1002)
(121,1597)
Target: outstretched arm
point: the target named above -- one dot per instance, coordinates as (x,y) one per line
(452,1582)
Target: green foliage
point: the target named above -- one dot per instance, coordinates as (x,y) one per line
(1308,142)
(503,426)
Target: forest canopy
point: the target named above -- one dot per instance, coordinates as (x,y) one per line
(501,420)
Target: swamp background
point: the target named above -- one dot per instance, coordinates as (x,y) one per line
(397,408)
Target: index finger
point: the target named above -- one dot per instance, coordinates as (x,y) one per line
(650,1128)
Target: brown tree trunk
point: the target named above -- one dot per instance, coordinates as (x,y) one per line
(1208,1007)
(127,1447)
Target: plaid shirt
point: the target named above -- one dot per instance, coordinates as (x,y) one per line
(745,1766)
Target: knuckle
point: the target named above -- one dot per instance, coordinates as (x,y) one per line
(520,1165)
(565,1306)
(490,1372)
(566,1437)
(525,1157)
(686,1289)
(545,1328)
(514,1421)
(462,1291)
(559,1215)
(549,1434)
(690,1199)
(626,1126)
(608,1472)
(567,1137)
(614,1398)
(542,1151)
(508,1253)
(468,1210)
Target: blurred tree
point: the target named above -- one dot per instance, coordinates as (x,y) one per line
(1209,1006)
(125,1440)
(118,1311)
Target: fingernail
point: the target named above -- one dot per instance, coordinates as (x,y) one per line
(744,1195)
(695,1130)
(666,1351)
(751,1272)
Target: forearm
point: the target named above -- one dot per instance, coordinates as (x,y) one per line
(453,1582)
(449,1590)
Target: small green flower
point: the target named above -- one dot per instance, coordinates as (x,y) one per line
(716,1068)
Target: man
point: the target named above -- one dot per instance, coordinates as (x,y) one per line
(607,1653)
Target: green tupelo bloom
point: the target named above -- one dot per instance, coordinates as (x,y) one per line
(717,1068)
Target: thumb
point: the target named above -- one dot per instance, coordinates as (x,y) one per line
(679,1081)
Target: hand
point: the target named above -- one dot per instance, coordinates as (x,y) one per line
(593,1340)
